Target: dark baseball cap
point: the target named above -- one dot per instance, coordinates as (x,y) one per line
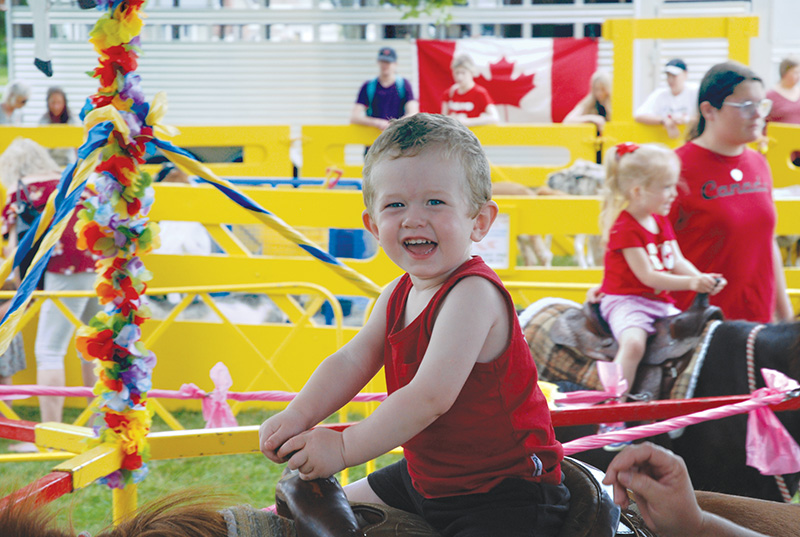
(675,66)
(387,54)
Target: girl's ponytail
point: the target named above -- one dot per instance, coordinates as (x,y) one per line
(613,194)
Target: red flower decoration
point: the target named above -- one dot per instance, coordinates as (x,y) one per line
(99,346)
(117,166)
(131,461)
(88,236)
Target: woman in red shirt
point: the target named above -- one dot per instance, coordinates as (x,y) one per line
(724,216)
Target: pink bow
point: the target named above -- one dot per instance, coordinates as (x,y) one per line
(770,448)
(216,410)
(614,385)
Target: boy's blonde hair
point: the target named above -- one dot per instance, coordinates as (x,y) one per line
(411,136)
(465,61)
(627,166)
(24,157)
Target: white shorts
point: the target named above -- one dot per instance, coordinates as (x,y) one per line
(54,333)
(631,311)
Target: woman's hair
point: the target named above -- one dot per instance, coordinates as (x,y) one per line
(627,166)
(411,136)
(786,64)
(16,89)
(589,103)
(465,61)
(718,83)
(24,157)
(65,115)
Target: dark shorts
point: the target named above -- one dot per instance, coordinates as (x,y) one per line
(515,507)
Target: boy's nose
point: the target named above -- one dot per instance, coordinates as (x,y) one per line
(413,218)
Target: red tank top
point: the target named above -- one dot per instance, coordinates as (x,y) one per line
(499,426)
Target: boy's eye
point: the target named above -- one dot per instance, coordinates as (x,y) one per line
(394,205)
(436,202)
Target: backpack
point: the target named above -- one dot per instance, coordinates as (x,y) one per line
(372,86)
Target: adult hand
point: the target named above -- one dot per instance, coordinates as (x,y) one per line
(661,488)
(672,127)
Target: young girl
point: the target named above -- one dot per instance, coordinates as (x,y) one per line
(643,261)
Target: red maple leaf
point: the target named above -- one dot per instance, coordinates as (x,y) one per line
(503,88)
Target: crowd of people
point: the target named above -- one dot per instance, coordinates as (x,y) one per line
(698,219)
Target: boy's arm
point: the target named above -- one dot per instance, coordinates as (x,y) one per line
(639,262)
(332,385)
(459,335)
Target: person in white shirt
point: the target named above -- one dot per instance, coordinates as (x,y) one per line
(671,106)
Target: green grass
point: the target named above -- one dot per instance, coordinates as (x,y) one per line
(250,477)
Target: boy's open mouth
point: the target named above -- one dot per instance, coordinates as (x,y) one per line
(419,246)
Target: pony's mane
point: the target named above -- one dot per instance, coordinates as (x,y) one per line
(189,513)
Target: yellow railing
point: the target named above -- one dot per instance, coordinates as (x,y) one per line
(265,149)
(326,147)
(260,356)
(319,209)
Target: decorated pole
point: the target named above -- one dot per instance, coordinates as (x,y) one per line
(114,226)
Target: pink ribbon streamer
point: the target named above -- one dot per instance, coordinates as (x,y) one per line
(187,391)
(770,448)
(757,400)
(216,410)
(614,384)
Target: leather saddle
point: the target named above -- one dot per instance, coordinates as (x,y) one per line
(667,353)
(319,508)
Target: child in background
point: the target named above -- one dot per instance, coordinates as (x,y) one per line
(480,451)
(643,261)
(465,100)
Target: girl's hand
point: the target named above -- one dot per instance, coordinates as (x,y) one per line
(315,453)
(704,283)
(719,283)
(593,295)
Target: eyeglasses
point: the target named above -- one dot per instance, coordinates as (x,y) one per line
(748,108)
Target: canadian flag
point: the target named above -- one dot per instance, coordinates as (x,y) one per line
(530,80)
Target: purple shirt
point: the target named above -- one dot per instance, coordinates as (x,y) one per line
(386,103)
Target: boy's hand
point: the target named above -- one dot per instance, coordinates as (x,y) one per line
(276,430)
(315,453)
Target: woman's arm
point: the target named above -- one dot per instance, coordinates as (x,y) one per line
(783,306)
(663,492)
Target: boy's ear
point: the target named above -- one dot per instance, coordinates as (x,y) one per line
(484,220)
(369,223)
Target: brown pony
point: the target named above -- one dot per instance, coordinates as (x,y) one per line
(200,513)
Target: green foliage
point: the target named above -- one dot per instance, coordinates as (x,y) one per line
(415,8)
